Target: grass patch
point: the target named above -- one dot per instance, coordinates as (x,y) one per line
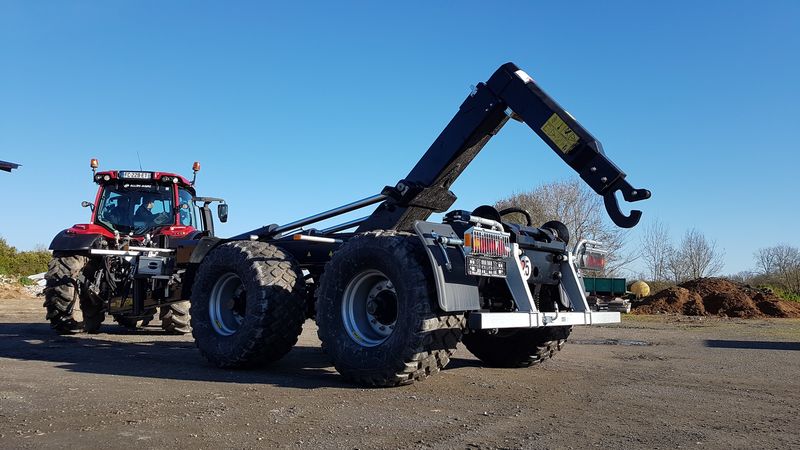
(25,281)
(783,293)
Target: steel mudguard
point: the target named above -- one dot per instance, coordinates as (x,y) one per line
(456,290)
(73,241)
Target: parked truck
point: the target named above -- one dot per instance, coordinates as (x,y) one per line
(607,294)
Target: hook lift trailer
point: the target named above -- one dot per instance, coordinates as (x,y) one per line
(392,293)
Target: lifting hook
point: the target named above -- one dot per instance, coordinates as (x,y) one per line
(630,195)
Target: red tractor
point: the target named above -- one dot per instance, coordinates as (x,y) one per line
(125,262)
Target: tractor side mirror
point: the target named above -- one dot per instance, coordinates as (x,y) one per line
(89,205)
(222,212)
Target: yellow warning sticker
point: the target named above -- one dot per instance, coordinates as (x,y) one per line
(561,134)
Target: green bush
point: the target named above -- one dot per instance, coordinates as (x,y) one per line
(783,293)
(15,263)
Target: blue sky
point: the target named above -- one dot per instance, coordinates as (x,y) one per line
(297,107)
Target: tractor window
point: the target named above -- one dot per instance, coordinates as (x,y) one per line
(187,209)
(115,210)
(135,208)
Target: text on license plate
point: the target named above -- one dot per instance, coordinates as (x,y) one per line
(486,267)
(135,175)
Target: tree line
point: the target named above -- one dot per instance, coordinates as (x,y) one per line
(695,256)
(20,264)
(777,267)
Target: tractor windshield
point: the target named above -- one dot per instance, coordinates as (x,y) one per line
(136,208)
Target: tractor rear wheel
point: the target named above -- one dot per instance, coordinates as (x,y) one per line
(248,304)
(175,318)
(378,314)
(61,291)
(516,347)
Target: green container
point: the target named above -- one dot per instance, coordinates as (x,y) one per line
(604,286)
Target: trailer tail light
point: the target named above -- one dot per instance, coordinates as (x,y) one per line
(593,259)
(483,242)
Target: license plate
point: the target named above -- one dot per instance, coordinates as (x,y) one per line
(136,175)
(486,267)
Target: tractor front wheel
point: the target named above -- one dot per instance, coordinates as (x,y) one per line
(175,318)
(93,315)
(133,323)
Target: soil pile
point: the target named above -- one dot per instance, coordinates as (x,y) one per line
(717,297)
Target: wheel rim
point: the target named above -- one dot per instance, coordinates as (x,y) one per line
(369,308)
(227,304)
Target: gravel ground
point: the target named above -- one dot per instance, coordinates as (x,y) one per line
(650,382)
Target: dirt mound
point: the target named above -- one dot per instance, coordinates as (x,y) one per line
(11,289)
(717,297)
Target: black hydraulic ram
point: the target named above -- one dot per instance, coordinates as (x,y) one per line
(509,93)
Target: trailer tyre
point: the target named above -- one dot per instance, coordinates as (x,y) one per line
(377,312)
(247,304)
(518,347)
(175,318)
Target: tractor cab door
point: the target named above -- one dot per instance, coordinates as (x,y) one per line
(187,210)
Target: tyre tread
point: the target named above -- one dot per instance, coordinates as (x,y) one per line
(524,348)
(279,321)
(434,341)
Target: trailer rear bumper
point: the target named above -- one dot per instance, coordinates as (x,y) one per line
(490,320)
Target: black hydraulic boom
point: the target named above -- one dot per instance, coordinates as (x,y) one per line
(509,93)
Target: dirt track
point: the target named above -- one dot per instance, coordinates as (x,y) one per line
(649,383)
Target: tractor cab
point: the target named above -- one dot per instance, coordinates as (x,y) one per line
(141,203)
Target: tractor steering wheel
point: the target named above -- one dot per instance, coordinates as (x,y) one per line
(161,218)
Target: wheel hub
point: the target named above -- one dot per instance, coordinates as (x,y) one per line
(227,304)
(382,306)
(369,308)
